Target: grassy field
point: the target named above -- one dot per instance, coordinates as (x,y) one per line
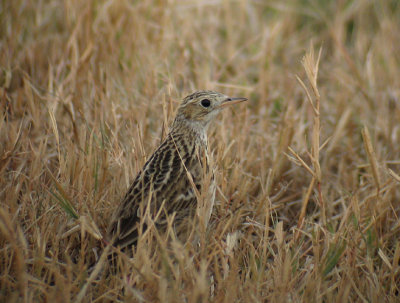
(308,170)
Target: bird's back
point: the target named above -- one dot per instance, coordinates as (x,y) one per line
(164,185)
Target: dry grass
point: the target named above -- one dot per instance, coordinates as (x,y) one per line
(308,171)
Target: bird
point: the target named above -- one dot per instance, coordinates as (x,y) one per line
(171,180)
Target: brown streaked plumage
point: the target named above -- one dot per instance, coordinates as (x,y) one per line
(168,182)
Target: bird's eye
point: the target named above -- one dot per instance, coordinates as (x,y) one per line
(205,103)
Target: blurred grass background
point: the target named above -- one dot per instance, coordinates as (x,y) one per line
(87,89)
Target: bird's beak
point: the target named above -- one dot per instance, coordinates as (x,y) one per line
(231,101)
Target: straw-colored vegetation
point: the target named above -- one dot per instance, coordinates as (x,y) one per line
(308,170)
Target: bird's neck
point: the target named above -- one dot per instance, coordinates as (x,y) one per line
(197,129)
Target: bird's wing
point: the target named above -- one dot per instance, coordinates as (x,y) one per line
(162,182)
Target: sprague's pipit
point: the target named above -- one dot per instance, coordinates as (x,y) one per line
(171,180)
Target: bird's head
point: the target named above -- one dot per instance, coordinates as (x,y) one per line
(201,107)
